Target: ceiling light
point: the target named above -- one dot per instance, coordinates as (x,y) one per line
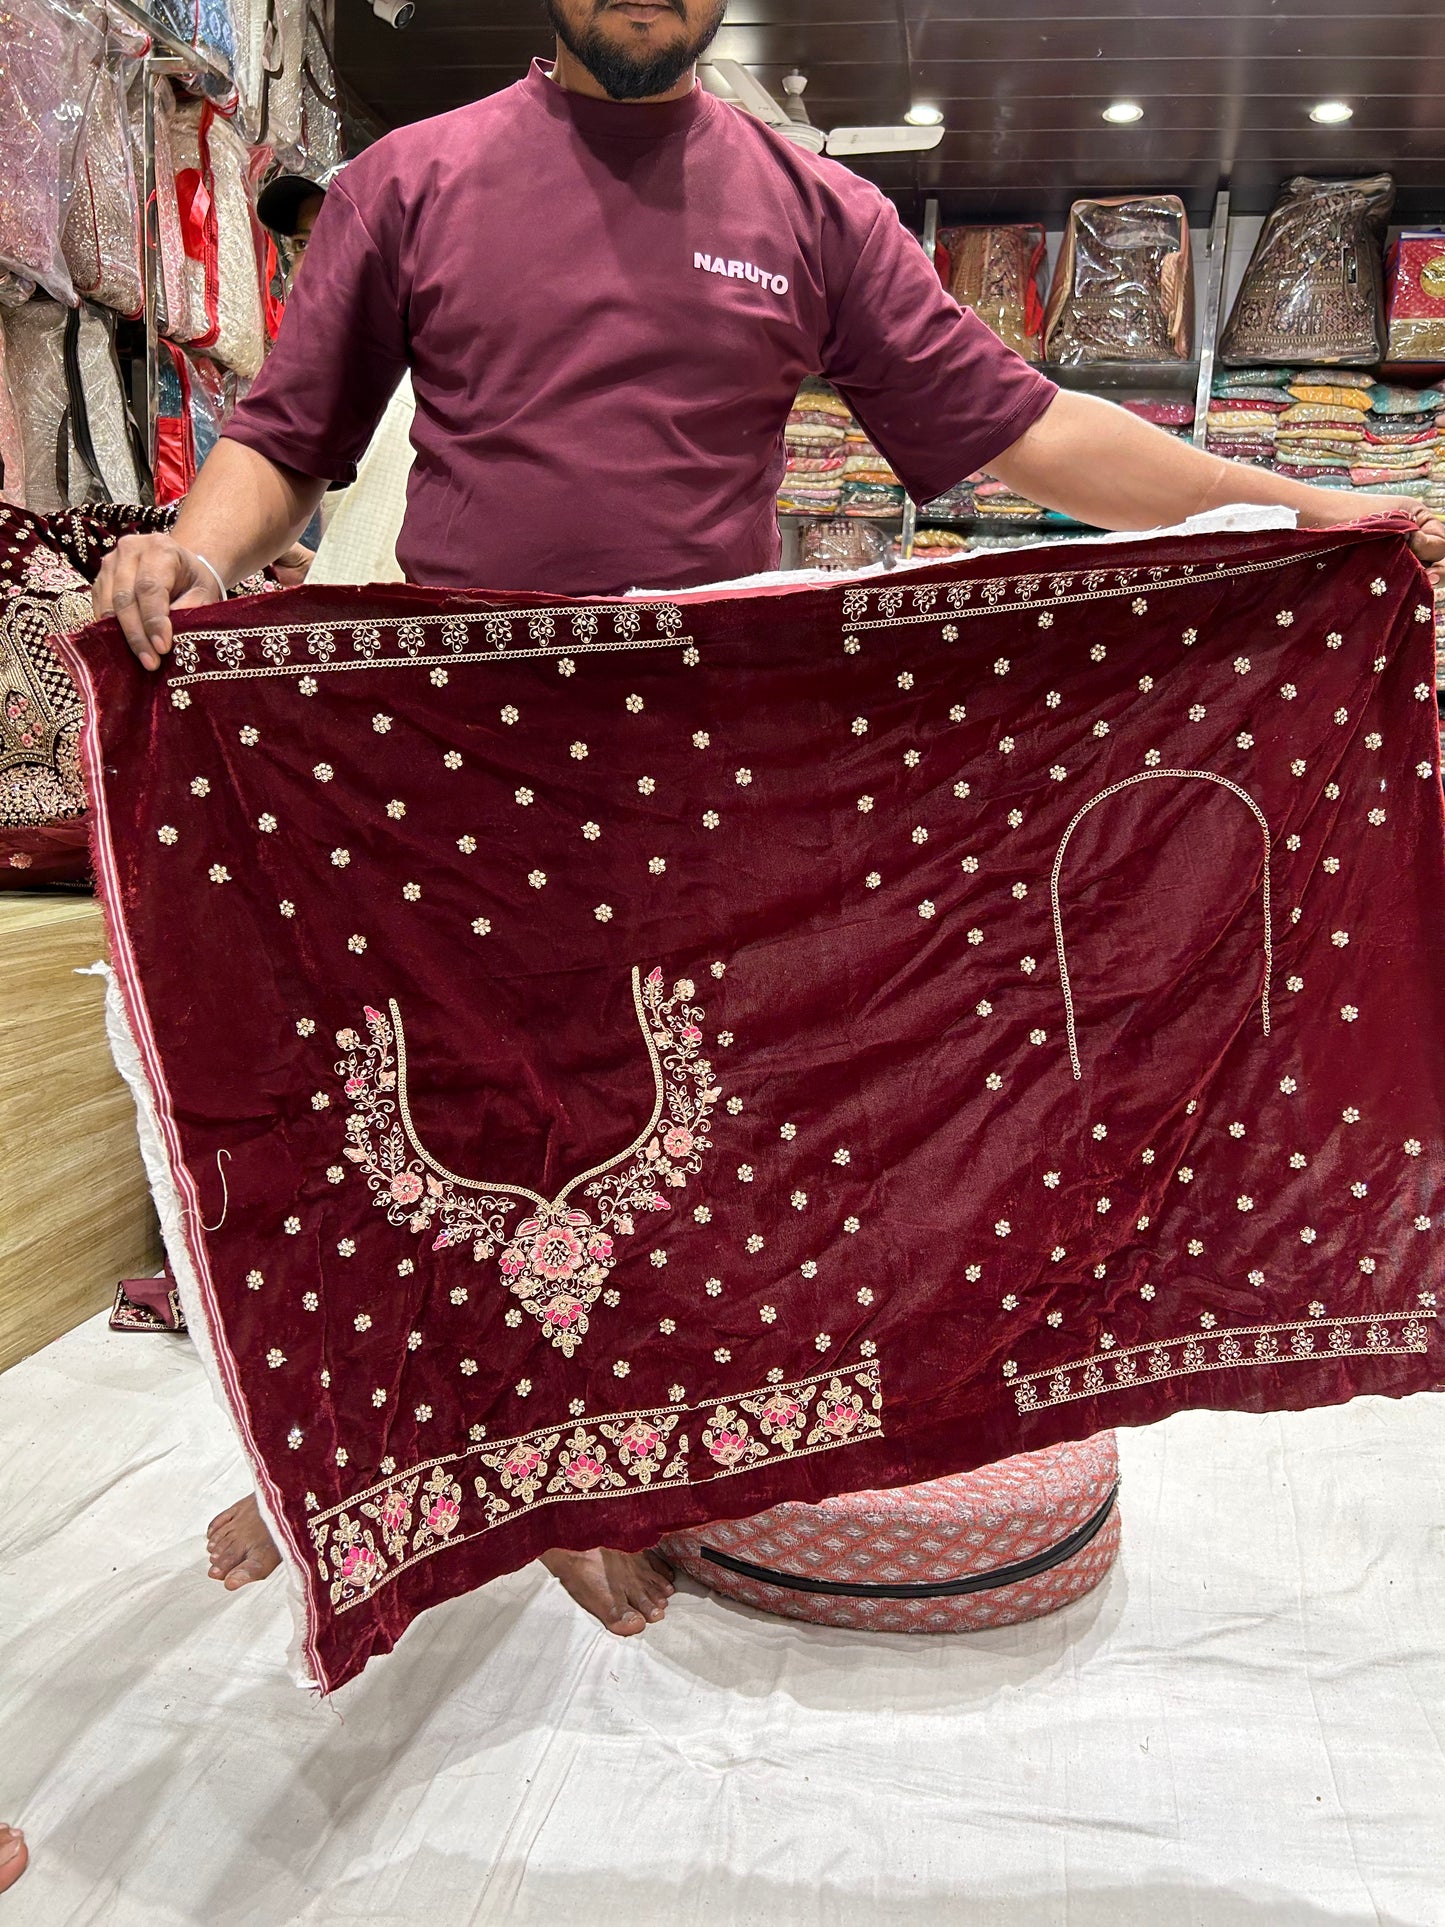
(1123,113)
(1330,113)
(920,114)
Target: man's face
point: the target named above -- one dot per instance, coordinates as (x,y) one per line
(635,49)
(297,240)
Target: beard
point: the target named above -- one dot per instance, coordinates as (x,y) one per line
(621,74)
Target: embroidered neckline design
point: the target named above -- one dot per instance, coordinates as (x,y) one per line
(1149,776)
(556,1260)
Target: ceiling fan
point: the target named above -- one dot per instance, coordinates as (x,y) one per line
(789,118)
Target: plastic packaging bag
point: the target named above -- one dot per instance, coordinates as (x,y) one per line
(47,77)
(101,242)
(1313,287)
(1124,287)
(1415,304)
(81,443)
(841,545)
(999,273)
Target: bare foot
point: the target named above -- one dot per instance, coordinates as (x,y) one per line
(627,1591)
(14,1856)
(240,1547)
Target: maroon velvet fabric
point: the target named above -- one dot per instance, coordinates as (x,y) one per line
(738,1153)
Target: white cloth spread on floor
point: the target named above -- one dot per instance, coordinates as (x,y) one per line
(1242,1728)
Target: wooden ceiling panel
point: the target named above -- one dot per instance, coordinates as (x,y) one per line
(1226,86)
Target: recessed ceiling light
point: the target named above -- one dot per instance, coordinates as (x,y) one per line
(1123,113)
(921,114)
(1330,113)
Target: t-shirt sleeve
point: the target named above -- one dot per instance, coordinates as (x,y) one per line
(935,388)
(340,353)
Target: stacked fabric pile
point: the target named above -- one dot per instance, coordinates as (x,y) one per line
(929,543)
(1174,417)
(816,429)
(1401,453)
(1320,437)
(870,486)
(1245,406)
(955,505)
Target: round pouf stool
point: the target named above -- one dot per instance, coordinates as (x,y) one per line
(1011,1541)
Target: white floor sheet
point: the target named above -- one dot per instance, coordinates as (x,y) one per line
(1244,1727)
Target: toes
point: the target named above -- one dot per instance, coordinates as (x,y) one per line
(627,1624)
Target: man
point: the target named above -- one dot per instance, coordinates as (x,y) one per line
(352,537)
(607,287)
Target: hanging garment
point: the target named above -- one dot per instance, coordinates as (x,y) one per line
(12,440)
(1313,288)
(1123,289)
(102,240)
(53,56)
(218,225)
(81,440)
(647,1061)
(176,463)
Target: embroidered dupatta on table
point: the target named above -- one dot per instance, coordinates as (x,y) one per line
(647,1061)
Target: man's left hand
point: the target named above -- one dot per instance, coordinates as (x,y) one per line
(1428,541)
(292,568)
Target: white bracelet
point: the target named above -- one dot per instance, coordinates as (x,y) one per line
(225,592)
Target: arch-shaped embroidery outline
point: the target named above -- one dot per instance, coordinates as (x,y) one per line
(557,1260)
(1152,776)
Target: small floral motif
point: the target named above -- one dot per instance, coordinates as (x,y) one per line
(1003,1228)
(1374,739)
(340,859)
(1195,1248)
(167,833)
(634,705)
(865,804)
(249,735)
(482,926)
(603,913)
(1376,817)
(911,758)
(1241,665)
(646,785)
(656,865)
(1288,1086)
(200,786)
(1378,586)
(218,873)
(1298,766)
(1196,712)
(1349,1013)
(1244,740)
(1412,1147)
(710,819)
(1015,819)
(984,1007)
(356,944)
(537,879)
(1053,699)
(851,1224)
(323,772)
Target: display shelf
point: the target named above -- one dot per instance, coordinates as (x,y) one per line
(1169,377)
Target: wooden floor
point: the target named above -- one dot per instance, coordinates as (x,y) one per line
(75,1212)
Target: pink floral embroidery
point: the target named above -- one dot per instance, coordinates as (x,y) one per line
(555,1261)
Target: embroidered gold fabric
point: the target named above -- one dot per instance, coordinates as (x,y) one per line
(1313,288)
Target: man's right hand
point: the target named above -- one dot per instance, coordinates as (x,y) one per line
(141,581)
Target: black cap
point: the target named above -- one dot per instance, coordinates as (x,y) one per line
(280,201)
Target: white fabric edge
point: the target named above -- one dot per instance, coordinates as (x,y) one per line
(1236,518)
(170,1209)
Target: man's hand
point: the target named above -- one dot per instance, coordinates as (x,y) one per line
(1428,541)
(141,581)
(294,566)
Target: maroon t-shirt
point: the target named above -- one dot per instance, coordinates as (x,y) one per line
(607,309)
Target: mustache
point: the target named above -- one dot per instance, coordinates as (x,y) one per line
(679,7)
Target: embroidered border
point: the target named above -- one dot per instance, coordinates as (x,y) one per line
(415,639)
(371,1538)
(1295,1342)
(1032,592)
